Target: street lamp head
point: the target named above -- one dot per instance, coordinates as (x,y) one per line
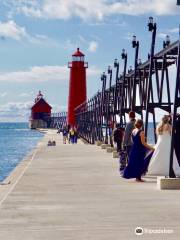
(130,69)
(123,54)
(134,42)
(103,76)
(151,20)
(139,61)
(167,42)
(109,69)
(115,62)
(151,24)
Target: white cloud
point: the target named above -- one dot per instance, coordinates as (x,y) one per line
(25,95)
(171,32)
(57,108)
(11,30)
(93,45)
(162,35)
(70,45)
(93,71)
(174,30)
(31,11)
(37,74)
(43,74)
(4,94)
(94,9)
(15,110)
(90,45)
(141,7)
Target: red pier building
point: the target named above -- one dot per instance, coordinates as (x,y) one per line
(77,84)
(40,113)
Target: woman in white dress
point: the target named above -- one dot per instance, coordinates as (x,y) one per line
(159,163)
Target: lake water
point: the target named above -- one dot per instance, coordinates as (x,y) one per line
(16,141)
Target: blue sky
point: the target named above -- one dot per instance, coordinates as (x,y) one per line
(37,38)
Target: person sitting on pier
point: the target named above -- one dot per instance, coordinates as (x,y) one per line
(140,154)
(127,142)
(159,163)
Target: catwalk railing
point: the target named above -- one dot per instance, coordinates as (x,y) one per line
(142,89)
(58,120)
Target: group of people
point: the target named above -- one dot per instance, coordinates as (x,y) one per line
(141,157)
(70,134)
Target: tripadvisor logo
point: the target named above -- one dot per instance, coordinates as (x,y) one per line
(139,231)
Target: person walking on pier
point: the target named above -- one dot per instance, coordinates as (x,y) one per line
(140,154)
(72,135)
(118,137)
(65,134)
(127,142)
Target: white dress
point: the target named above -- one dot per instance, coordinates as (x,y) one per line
(159,163)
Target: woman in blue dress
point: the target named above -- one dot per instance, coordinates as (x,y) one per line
(140,155)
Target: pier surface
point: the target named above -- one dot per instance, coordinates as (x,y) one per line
(74,192)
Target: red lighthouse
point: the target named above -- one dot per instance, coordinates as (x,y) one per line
(77,84)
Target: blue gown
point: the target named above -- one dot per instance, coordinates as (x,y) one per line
(138,160)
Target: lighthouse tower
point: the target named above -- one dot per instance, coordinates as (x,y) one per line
(77,84)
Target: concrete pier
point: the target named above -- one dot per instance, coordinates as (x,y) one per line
(74,192)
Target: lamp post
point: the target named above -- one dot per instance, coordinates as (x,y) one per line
(108,116)
(103,79)
(135,44)
(122,102)
(152,28)
(116,65)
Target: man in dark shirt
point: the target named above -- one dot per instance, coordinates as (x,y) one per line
(128,131)
(118,137)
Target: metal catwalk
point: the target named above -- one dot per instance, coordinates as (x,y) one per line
(143,89)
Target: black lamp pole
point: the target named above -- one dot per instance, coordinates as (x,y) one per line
(103,79)
(116,65)
(124,57)
(107,93)
(152,28)
(109,110)
(135,44)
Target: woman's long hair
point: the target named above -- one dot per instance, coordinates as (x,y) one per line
(160,127)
